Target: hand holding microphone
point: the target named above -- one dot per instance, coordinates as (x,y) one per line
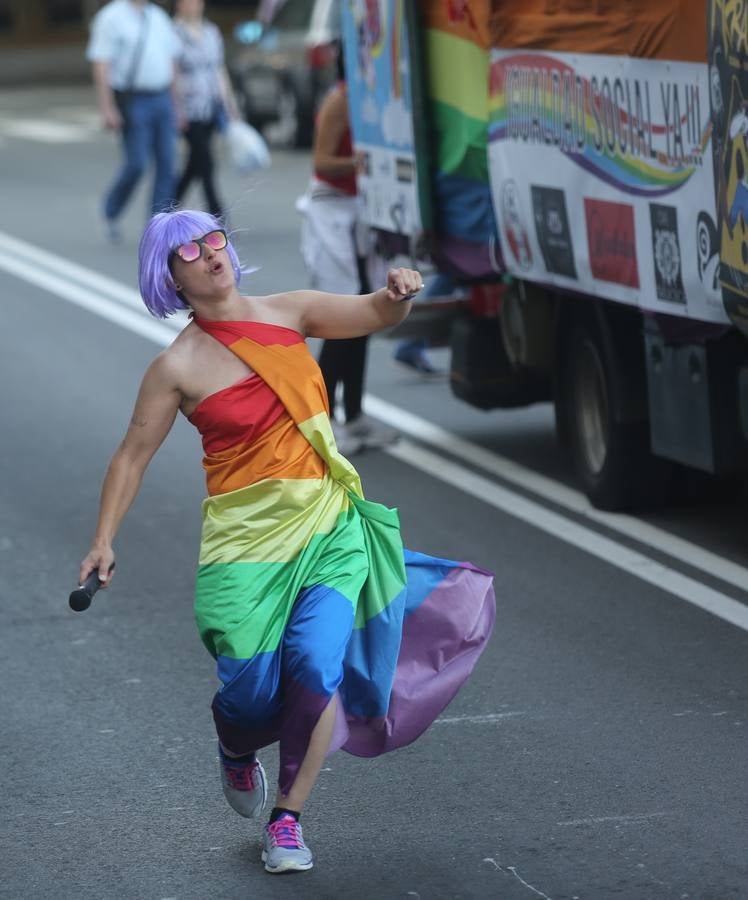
(80,599)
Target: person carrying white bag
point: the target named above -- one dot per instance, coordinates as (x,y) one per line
(247,148)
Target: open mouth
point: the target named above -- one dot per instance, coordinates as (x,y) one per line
(216,268)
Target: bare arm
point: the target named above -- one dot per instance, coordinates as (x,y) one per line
(331,125)
(341,316)
(155,410)
(109,112)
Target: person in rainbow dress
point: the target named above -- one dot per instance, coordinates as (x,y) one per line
(326,632)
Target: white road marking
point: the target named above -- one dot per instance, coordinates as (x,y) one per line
(477,720)
(66,269)
(623,820)
(22,261)
(45,131)
(553,523)
(80,296)
(678,548)
(512,870)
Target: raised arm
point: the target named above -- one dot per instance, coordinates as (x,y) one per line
(155,410)
(342,316)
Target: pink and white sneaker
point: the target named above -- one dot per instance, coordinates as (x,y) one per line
(283,847)
(244,784)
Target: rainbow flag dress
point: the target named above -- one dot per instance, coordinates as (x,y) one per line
(303,589)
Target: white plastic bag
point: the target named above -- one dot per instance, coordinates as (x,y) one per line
(247,148)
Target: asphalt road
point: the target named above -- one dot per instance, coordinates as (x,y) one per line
(599,751)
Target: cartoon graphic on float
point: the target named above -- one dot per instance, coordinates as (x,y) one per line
(728,90)
(379,77)
(368,16)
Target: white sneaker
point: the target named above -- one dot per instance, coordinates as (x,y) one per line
(347,443)
(371,434)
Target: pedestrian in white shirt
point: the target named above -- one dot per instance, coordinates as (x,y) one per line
(133,48)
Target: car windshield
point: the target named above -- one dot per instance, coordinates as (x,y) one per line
(294,15)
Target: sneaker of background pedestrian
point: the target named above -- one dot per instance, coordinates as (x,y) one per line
(347,444)
(371,434)
(283,847)
(413,353)
(244,784)
(414,356)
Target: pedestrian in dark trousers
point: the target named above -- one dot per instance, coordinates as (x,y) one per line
(205,95)
(335,263)
(343,362)
(132,48)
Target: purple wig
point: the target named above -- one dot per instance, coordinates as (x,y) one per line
(163,234)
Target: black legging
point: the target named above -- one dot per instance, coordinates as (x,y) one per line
(344,362)
(200,164)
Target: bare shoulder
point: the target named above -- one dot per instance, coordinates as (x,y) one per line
(334,100)
(286,309)
(167,370)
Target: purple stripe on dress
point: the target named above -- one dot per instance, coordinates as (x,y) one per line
(442,641)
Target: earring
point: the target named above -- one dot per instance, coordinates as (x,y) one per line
(177,287)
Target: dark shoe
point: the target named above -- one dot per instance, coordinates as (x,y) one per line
(416,359)
(112,231)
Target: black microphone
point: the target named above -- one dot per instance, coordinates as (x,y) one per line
(82,596)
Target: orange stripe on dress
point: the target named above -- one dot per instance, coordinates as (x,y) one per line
(291,372)
(280,357)
(281,452)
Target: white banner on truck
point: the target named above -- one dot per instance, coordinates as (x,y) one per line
(602,180)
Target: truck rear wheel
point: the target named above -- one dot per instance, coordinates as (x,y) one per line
(611,458)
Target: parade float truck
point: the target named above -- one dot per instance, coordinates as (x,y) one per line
(581,168)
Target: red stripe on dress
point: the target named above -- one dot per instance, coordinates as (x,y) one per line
(262,332)
(238,414)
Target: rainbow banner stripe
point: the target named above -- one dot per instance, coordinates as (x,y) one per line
(457,86)
(288,539)
(628,161)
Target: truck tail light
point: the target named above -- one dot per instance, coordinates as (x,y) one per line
(319,56)
(486,299)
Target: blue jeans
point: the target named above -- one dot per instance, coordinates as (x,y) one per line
(149,131)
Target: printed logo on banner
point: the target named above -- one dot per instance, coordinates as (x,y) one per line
(667,255)
(405,170)
(612,241)
(707,253)
(552,229)
(514,224)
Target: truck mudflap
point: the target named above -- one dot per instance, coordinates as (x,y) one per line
(481,373)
